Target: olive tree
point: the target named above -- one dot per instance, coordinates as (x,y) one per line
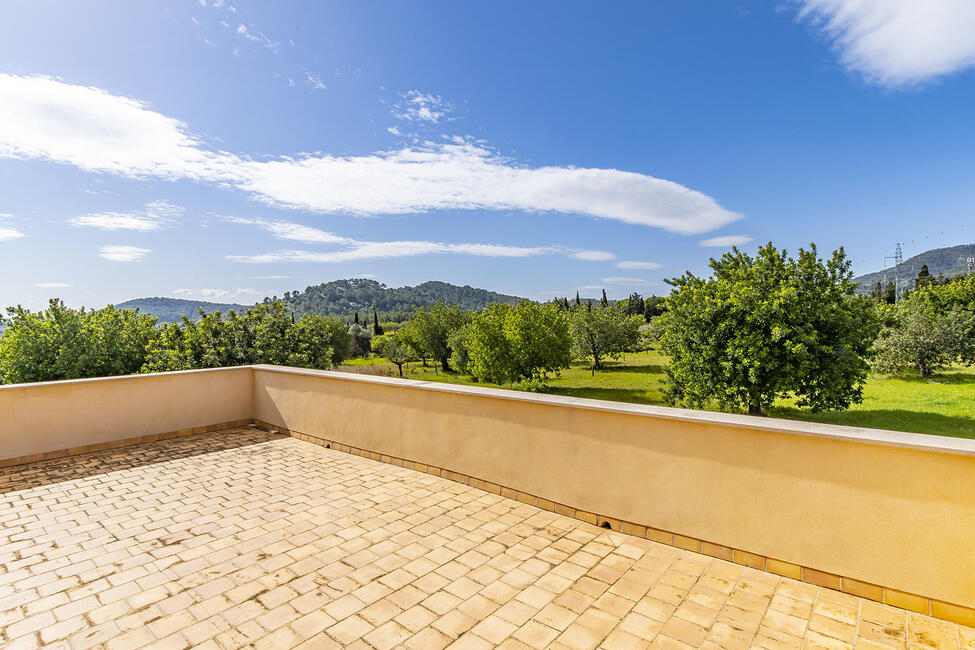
(603,332)
(431,329)
(768,327)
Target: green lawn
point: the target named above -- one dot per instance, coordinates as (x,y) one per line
(944,404)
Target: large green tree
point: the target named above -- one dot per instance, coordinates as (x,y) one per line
(518,344)
(65,343)
(768,327)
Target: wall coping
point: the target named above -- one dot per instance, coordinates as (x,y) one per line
(93,380)
(902,439)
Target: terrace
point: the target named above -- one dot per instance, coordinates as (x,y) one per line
(282,508)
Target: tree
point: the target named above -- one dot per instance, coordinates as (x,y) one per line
(361,340)
(377,329)
(518,344)
(266,333)
(578,302)
(356,322)
(603,332)
(924,278)
(654,306)
(634,304)
(765,328)
(408,336)
(65,343)
(890,294)
(397,351)
(433,326)
(926,340)
(604,301)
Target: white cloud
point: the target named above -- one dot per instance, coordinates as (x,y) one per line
(52,285)
(592,256)
(155,215)
(116,221)
(467,176)
(898,42)
(394,130)
(421,107)
(123,253)
(314,82)
(725,241)
(630,282)
(269,277)
(638,266)
(296,231)
(41,118)
(10,233)
(227,294)
(376,250)
(183,292)
(250,36)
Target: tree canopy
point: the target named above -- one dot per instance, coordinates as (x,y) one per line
(765,328)
(65,343)
(518,344)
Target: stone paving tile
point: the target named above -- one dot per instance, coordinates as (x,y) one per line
(247,539)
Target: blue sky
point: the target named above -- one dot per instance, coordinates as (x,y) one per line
(231,150)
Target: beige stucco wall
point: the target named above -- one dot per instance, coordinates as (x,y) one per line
(51,416)
(892,509)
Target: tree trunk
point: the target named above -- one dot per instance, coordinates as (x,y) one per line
(400,366)
(925,370)
(754,409)
(443,365)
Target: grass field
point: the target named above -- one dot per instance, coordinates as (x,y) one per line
(944,404)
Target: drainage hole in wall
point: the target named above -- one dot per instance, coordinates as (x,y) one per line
(605,524)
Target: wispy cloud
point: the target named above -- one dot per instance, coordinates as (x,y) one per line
(154,216)
(314,81)
(52,285)
(183,292)
(123,253)
(391,249)
(626,282)
(294,231)
(592,256)
(421,107)
(725,241)
(269,277)
(638,266)
(257,38)
(360,250)
(42,118)
(898,42)
(7,234)
(228,294)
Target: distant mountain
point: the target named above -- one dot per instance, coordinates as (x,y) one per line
(169,310)
(945,261)
(343,297)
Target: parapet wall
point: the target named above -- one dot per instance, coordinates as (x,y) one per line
(884,515)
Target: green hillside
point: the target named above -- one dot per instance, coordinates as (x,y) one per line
(941,261)
(343,297)
(169,310)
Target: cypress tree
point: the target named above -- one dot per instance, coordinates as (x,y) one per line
(376,329)
(356,318)
(604,301)
(578,302)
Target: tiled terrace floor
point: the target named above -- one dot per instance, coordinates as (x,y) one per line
(231,539)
